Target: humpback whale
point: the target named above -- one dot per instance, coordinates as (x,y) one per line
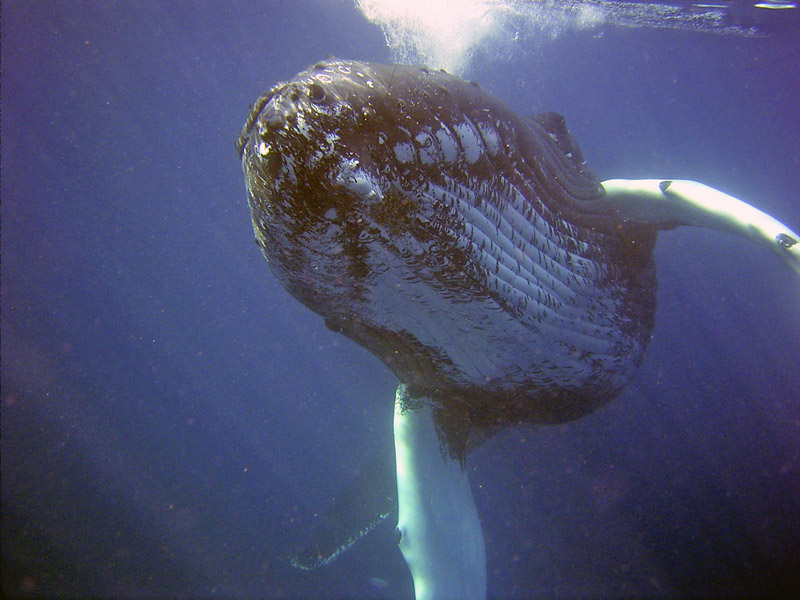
(473,251)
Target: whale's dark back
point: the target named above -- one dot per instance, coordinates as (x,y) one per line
(455,239)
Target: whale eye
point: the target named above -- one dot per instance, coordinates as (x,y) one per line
(316,93)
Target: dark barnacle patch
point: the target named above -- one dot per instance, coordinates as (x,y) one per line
(394,211)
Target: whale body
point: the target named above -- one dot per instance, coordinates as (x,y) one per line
(473,252)
(455,239)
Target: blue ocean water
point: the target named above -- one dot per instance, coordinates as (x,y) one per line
(172,420)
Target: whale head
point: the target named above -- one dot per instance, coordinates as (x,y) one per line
(453,238)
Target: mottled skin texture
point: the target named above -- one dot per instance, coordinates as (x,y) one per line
(461,243)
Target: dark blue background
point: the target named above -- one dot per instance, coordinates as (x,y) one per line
(172,419)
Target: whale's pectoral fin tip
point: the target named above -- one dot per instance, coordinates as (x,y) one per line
(785,240)
(664,185)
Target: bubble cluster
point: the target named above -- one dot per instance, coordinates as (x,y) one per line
(446,34)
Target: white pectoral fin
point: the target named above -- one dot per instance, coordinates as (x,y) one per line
(439,531)
(666,203)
